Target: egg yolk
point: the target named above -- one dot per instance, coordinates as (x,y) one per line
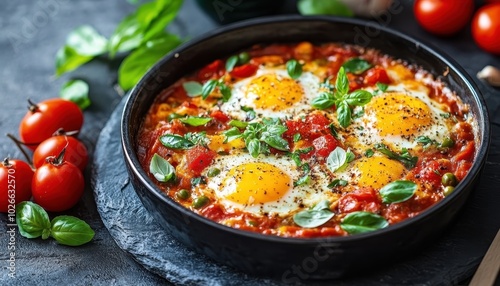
(273,93)
(377,172)
(256,183)
(399,114)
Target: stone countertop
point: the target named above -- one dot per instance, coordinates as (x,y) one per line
(33,31)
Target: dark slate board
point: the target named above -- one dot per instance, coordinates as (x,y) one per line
(450,261)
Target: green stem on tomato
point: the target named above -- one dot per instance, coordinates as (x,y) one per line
(19,146)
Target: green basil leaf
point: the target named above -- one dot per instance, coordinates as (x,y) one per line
(406,158)
(358,97)
(445,115)
(342,82)
(138,62)
(337,182)
(86,41)
(231,63)
(304,180)
(349,156)
(225,91)
(238,123)
(398,191)
(32,220)
(382,86)
(336,159)
(161,169)
(254,148)
(157,17)
(250,112)
(356,66)
(198,181)
(68,59)
(174,141)
(72,231)
(323,100)
(208,88)
(294,68)
(76,91)
(360,222)
(127,36)
(232,134)
(324,7)
(277,142)
(369,153)
(192,88)
(195,120)
(314,217)
(426,141)
(344,114)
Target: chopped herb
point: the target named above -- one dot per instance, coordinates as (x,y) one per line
(382,86)
(426,141)
(198,181)
(195,120)
(337,182)
(369,153)
(406,158)
(296,137)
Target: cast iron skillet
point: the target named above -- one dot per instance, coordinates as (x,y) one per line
(289,259)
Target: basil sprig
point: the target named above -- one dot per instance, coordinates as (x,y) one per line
(259,136)
(76,91)
(426,141)
(338,159)
(318,215)
(161,169)
(341,98)
(194,89)
(356,66)
(195,120)
(398,191)
(294,69)
(187,141)
(361,221)
(406,158)
(33,221)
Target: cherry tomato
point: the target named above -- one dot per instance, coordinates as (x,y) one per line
(57,185)
(76,152)
(198,158)
(45,118)
(377,74)
(15,184)
(486,28)
(443,17)
(243,71)
(365,199)
(214,69)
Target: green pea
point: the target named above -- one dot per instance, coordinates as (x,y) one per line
(243,58)
(448,143)
(213,172)
(174,116)
(448,190)
(182,194)
(449,179)
(200,202)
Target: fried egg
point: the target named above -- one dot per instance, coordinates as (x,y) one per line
(272,93)
(397,117)
(265,185)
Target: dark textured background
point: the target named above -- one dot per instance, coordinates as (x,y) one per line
(30,34)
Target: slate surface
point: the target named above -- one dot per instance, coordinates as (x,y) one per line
(31,33)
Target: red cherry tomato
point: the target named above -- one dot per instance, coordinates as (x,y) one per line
(443,17)
(214,69)
(15,184)
(375,75)
(57,186)
(244,71)
(365,199)
(198,158)
(76,153)
(45,118)
(486,28)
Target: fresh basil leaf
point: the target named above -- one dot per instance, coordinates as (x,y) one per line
(324,7)
(134,66)
(406,158)
(360,222)
(426,141)
(238,123)
(225,91)
(342,82)
(192,88)
(445,115)
(314,217)
(337,182)
(254,148)
(349,156)
(32,220)
(173,116)
(276,142)
(294,68)
(68,59)
(304,150)
(195,120)
(127,36)
(250,112)
(174,141)
(356,66)
(296,137)
(369,153)
(358,97)
(208,88)
(72,231)
(232,134)
(197,138)
(333,130)
(398,191)
(336,159)
(344,114)
(231,63)
(76,91)
(161,169)
(382,86)
(157,17)
(86,41)
(304,180)
(323,100)
(198,181)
